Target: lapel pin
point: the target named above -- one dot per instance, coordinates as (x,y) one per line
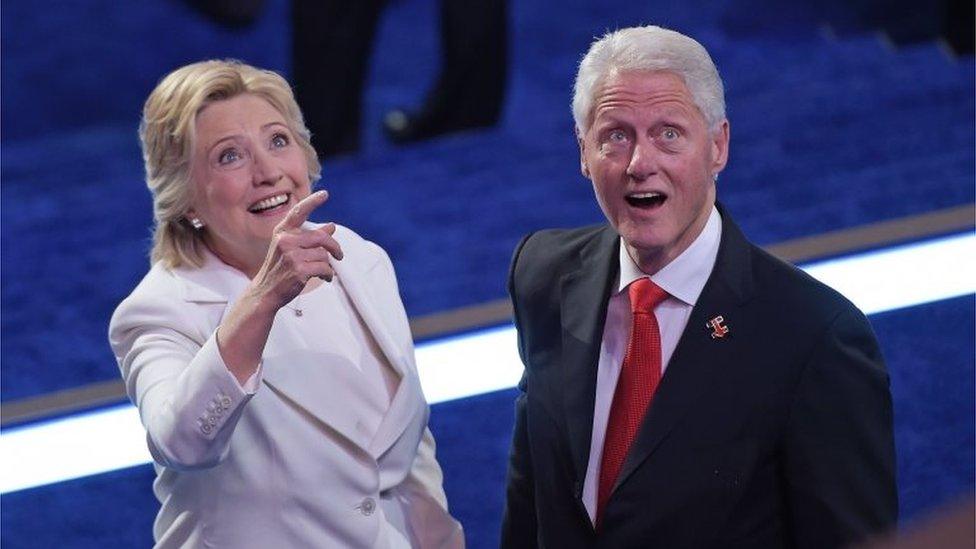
(718,329)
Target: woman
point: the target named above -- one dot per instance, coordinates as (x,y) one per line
(270,358)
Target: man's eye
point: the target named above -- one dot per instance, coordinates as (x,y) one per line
(279,140)
(617,136)
(228,156)
(670,134)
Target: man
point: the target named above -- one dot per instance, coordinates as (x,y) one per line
(683,388)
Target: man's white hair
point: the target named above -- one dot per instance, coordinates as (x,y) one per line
(650,48)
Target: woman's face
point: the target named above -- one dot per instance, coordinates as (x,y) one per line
(247,170)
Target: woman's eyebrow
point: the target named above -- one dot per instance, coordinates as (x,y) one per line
(274,123)
(232,137)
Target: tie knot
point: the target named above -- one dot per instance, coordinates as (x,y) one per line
(645,295)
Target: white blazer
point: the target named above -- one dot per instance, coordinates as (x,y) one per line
(288,465)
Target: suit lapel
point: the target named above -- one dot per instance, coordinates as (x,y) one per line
(698,356)
(582,332)
(404,405)
(355,281)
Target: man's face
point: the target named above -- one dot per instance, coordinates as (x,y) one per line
(652,161)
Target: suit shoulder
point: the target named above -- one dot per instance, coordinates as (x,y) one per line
(158,285)
(552,247)
(156,299)
(569,239)
(799,291)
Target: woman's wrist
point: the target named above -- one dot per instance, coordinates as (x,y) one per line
(243,333)
(259,302)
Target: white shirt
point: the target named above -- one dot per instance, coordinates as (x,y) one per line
(683,279)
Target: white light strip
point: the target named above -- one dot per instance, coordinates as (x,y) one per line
(469,365)
(476,363)
(73,447)
(903,276)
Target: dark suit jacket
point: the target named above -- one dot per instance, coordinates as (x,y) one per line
(777,435)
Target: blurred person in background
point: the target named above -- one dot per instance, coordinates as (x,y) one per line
(270,358)
(331,46)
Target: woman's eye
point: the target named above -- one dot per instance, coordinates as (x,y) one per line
(228,156)
(279,140)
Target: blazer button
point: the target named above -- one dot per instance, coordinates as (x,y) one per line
(367,506)
(205,428)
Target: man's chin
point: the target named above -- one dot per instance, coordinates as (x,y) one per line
(646,253)
(643,238)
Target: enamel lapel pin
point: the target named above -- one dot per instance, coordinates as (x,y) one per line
(717,327)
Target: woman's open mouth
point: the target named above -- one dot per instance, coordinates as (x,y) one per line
(270,204)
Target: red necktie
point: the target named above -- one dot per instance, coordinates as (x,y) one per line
(639,377)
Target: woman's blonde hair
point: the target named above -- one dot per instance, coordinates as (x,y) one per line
(166,133)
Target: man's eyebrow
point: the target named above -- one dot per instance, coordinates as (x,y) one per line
(610,122)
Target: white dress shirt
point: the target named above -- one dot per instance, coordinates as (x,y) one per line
(683,279)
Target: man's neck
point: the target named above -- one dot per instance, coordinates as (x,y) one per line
(652,261)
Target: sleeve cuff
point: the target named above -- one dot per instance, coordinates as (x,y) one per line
(251,385)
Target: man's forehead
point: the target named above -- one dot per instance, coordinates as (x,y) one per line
(634,82)
(664,91)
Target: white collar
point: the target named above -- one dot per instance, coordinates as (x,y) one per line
(685,276)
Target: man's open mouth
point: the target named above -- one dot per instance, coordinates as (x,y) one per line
(270,203)
(648,200)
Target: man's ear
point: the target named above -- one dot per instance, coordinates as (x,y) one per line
(584,169)
(720,147)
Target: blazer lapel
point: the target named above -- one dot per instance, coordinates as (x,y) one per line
(698,356)
(356,283)
(582,333)
(404,404)
(338,411)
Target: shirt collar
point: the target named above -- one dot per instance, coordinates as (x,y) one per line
(686,275)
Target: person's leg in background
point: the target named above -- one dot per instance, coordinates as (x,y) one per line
(331,46)
(470,91)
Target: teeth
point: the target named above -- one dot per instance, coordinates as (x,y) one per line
(269,202)
(645,195)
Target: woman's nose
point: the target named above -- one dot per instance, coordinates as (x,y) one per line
(265,168)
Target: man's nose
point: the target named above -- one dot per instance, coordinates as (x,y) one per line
(266,170)
(643,160)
